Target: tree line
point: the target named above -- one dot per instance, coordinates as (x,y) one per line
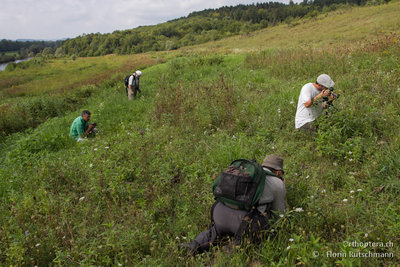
(198,27)
(12,50)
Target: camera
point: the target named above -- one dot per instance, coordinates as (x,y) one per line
(325,98)
(94,124)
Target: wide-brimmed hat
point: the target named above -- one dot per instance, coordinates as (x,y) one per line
(274,162)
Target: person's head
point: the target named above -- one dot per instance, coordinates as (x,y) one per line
(138,73)
(86,115)
(275,164)
(324,82)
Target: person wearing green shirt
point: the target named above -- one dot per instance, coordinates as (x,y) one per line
(81,127)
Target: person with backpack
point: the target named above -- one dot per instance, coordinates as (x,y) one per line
(249,196)
(132,84)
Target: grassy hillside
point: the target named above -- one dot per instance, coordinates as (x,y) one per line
(129,196)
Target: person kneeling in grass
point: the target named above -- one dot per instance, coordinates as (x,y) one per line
(81,127)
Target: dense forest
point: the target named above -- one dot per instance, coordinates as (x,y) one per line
(12,50)
(198,27)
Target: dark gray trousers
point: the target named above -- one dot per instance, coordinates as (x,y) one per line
(226,222)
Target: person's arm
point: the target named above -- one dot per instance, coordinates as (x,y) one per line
(90,127)
(81,131)
(279,192)
(130,84)
(314,99)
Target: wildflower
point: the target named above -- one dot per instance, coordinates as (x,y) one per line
(350,152)
(107,147)
(366,235)
(91,165)
(37,245)
(350,160)
(82,198)
(298,210)
(119,264)
(352,191)
(359,190)
(279,110)
(311,197)
(308,176)
(291,102)
(26,232)
(234,137)
(345,200)
(184,237)
(291,239)
(334,164)
(288,247)
(323,191)
(95,149)
(177,238)
(281,215)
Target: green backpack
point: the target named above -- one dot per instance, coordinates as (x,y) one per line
(241,185)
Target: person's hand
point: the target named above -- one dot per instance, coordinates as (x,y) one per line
(90,127)
(325,93)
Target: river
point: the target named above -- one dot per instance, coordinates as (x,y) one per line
(4,65)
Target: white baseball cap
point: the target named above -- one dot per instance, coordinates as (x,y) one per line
(138,73)
(325,80)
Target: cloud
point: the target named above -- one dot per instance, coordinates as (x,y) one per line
(56,19)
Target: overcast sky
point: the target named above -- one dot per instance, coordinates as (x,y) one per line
(56,19)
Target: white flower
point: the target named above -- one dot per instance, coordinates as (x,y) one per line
(366,235)
(82,198)
(279,110)
(335,164)
(95,149)
(288,247)
(177,238)
(350,152)
(359,190)
(323,191)
(351,197)
(345,200)
(291,239)
(352,191)
(281,215)
(184,237)
(311,197)
(308,176)
(38,244)
(91,165)
(234,136)
(107,147)
(119,264)
(350,160)
(291,102)
(298,210)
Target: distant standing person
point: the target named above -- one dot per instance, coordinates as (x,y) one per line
(133,84)
(310,105)
(81,127)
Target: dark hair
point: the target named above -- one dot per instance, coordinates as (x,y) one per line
(85,112)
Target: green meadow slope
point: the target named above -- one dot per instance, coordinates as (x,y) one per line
(129,196)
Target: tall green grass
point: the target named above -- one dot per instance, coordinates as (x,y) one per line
(143,185)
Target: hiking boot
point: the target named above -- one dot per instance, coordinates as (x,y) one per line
(191,248)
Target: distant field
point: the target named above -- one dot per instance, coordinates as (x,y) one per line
(342,28)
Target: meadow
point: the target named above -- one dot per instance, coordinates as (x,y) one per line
(129,196)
